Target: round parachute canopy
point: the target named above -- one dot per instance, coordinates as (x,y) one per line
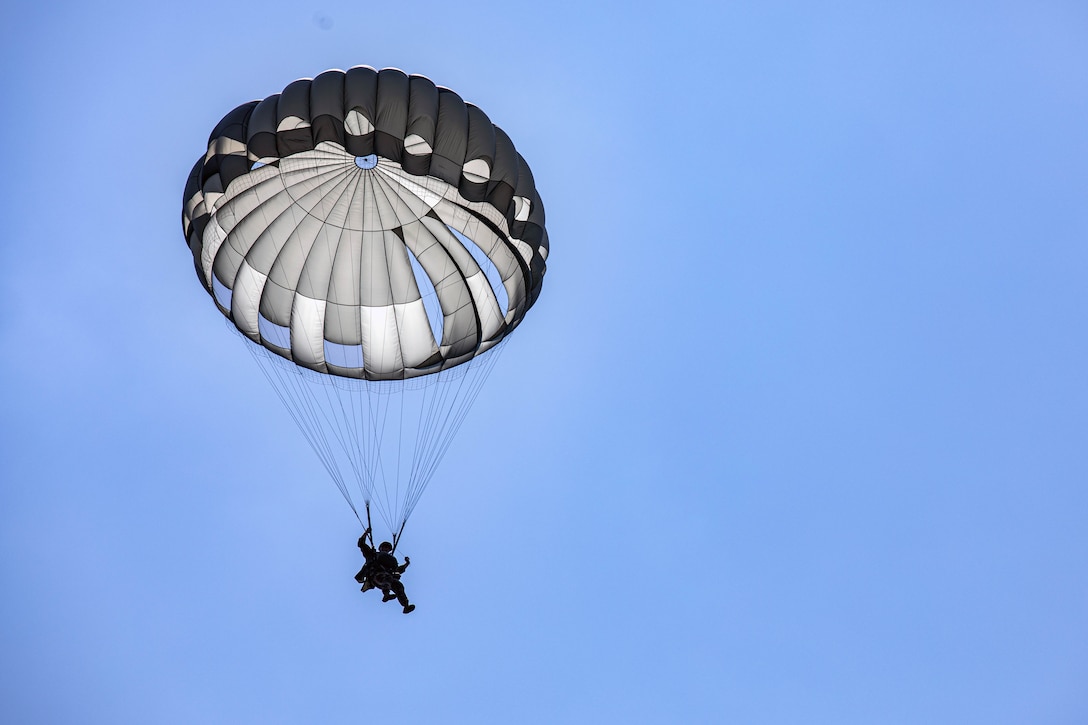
(366,226)
(320,217)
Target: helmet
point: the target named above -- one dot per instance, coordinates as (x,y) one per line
(385,546)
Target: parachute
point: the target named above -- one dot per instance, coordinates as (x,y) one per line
(374,239)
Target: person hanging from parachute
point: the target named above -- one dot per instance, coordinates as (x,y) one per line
(382,571)
(374,240)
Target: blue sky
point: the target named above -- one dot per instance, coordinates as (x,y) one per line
(795,433)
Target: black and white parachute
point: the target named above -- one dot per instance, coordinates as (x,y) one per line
(373,236)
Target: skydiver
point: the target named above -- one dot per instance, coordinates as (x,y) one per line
(382,571)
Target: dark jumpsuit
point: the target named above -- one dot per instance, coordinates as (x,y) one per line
(383,571)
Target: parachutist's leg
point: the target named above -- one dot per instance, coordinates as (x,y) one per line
(393,589)
(398,592)
(383,581)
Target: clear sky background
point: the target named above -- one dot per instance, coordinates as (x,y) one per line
(796,432)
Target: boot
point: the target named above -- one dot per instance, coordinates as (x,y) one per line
(409,608)
(389,596)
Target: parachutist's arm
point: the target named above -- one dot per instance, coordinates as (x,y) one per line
(404,566)
(368,552)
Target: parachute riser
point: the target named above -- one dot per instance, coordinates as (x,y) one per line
(368,528)
(396,536)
